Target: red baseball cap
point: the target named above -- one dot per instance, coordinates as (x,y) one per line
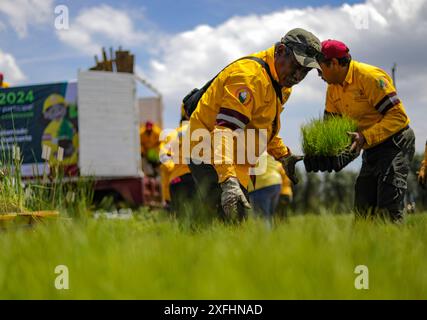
(334,49)
(149,124)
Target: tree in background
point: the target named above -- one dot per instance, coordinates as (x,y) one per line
(334,192)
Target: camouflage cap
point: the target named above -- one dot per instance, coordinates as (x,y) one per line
(305,46)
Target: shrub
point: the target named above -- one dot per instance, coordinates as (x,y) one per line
(327,137)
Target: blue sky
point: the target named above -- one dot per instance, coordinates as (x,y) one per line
(43,58)
(182,44)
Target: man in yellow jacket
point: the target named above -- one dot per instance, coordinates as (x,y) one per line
(150,146)
(367,94)
(422,174)
(247,96)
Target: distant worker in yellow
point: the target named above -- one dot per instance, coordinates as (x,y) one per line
(422,174)
(176,175)
(150,146)
(164,179)
(286,196)
(3,84)
(264,189)
(60,132)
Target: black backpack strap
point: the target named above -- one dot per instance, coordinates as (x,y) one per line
(275,84)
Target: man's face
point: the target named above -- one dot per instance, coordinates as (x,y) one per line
(55,112)
(289,71)
(330,73)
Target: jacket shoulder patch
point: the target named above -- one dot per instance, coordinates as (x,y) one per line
(244,95)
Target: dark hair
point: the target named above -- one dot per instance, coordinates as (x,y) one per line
(344,61)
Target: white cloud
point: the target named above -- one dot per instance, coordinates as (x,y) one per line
(23,13)
(393,31)
(8,66)
(97,24)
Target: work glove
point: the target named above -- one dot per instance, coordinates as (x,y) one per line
(288,162)
(422,177)
(232,197)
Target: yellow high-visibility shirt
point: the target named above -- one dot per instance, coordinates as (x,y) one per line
(5,85)
(54,133)
(241,97)
(368,96)
(270,177)
(149,140)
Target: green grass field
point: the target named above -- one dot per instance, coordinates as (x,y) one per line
(152,257)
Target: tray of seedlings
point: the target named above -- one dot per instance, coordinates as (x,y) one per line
(326,143)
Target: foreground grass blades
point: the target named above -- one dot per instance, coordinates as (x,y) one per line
(149,257)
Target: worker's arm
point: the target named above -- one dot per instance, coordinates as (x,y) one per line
(241,94)
(277,148)
(383,97)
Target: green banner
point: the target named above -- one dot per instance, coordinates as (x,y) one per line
(42,121)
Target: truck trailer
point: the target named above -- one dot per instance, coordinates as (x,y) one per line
(90,125)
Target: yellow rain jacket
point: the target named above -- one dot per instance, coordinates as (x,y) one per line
(369,97)
(241,97)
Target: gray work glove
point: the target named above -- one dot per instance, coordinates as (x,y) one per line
(288,162)
(231,196)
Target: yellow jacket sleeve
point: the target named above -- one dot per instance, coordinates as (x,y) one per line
(277,148)
(382,95)
(241,94)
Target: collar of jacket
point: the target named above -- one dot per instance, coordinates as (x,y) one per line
(349,76)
